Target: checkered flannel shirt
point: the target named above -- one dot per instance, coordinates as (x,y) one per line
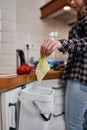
(76,47)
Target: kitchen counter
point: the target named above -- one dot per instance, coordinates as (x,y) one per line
(14,81)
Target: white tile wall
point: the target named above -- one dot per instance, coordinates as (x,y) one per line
(8,4)
(32,29)
(0,31)
(8,26)
(8,36)
(6,49)
(8,15)
(47,1)
(21,23)
(0,36)
(0,13)
(0,27)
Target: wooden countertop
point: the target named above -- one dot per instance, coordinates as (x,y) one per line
(10,82)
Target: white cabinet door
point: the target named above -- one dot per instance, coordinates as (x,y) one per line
(8,100)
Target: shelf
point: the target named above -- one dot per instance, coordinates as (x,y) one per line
(52,6)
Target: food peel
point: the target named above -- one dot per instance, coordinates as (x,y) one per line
(42,68)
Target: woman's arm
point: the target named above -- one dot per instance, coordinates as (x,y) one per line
(74,44)
(66,46)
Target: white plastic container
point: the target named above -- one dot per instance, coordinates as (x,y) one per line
(36,108)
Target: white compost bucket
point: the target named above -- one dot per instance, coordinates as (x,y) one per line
(36,108)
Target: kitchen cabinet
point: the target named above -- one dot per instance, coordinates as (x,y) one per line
(8,109)
(52,7)
(10,89)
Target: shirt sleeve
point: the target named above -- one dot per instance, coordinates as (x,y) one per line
(69,46)
(79,45)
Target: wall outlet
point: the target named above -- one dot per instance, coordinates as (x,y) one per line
(32,46)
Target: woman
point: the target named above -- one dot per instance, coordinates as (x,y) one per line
(75,73)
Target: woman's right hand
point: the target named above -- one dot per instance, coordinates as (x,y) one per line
(49,46)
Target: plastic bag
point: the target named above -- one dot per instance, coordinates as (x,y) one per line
(42,68)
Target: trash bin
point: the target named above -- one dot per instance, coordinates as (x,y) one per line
(36,108)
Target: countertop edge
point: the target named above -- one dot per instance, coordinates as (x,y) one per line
(7,83)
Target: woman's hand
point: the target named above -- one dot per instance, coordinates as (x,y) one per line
(49,46)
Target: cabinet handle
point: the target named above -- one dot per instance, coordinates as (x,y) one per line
(11,128)
(60,114)
(23,86)
(14,105)
(56,88)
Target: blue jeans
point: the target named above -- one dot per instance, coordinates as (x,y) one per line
(75,105)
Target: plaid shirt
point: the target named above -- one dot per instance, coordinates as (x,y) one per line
(76,46)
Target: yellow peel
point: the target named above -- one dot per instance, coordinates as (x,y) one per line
(42,68)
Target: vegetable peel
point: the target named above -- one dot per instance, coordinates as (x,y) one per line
(42,68)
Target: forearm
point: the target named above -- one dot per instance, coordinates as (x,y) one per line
(74,44)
